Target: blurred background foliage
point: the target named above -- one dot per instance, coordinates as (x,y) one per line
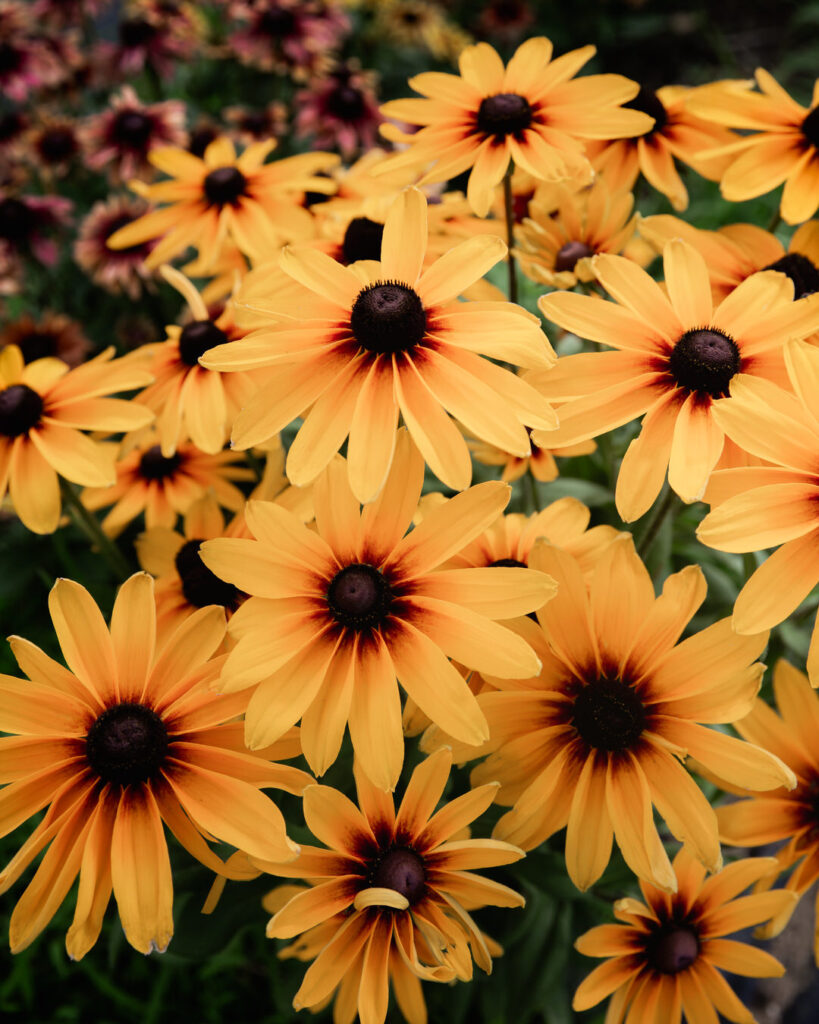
(223,968)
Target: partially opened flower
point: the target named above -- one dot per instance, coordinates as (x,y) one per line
(364,605)
(532,112)
(127,737)
(784,816)
(664,959)
(44,408)
(224,197)
(388,338)
(780,144)
(772,504)
(392,894)
(599,738)
(676,355)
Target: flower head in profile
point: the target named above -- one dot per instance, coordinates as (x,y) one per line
(599,738)
(391,895)
(126,738)
(50,335)
(677,134)
(532,112)
(773,504)
(676,354)
(783,816)
(116,270)
(44,408)
(388,338)
(780,144)
(664,958)
(365,605)
(224,197)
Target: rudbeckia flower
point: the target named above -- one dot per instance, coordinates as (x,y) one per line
(44,407)
(676,133)
(52,334)
(783,816)
(677,353)
(764,506)
(224,197)
(781,144)
(364,605)
(127,737)
(165,487)
(664,959)
(540,463)
(531,112)
(115,270)
(392,893)
(599,738)
(390,337)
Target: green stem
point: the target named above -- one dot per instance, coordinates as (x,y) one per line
(90,526)
(668,505)
(255,464)
(510,235)
(775,221)
(534,497)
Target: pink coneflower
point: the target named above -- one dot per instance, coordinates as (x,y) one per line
(115,270)
(26,63)
(23,221)
(340,111)
(52,334)
(125,134)
(155,34)
(504,21)
(287,35)
(254,124)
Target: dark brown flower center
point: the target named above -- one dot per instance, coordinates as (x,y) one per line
(135,32)
(802,271)
(127,744)
(37,345)
(197,338)
(15,220)
(10,58)
(224,185)
(388,317)
(362,240)
(132,129)
(155,466)
(200,139)
(402,870)
(359,597)
(277,21)
(199,585)
(12,125)
(20,410)
(608,714)
(507,563)
(570,253)
(346,102)
(705,361)
(507,113)
(256,122)
(672,949)
(650,103)
(810,127)
(57,144)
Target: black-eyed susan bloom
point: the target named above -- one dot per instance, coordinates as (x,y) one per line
(392,893)
(676,354)
(336,614)
(600,736)
(44,408)
(127,737)
(224,197)
(532,112)
(663,961)
(388,338)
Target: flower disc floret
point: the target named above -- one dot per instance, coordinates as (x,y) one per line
(570,253)
(20,410)
(199,585)
(801,270)
(359,597)
(132,128)
(504,114)
(609,714)
(127,744)
(223,186)
(388,317)
(403,871)
(197,338)
(672,948)
(705,361)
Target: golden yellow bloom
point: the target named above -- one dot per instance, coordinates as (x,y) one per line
(392,893)
(782,815)
(127,737)
(677,353)
(224,197)
(533,112)
(774,504)
(782,144)
(389,337)
(599,738)
(44,407)
(363,606)
(664,959)
(541,463)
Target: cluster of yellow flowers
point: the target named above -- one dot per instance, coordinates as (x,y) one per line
(356,304)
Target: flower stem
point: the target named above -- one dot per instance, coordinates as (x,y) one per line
(534,497)
(255,464)
(668,506)
(90,526)
(775,221)
(510,235)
